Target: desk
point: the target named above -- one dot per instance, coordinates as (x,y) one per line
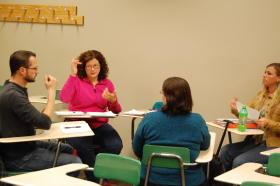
(53,133)
(42,99)
(235,131)
(49,177)
(268,152)
(246,172)
(134,117)
(206,156)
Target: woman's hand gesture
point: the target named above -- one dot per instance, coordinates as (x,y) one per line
(110,97)
(74,66)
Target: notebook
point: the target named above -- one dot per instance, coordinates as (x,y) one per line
(102,114)
(69,113)
(134,113)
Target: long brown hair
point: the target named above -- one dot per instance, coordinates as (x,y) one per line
(276,94)
(89,55)
(178,96)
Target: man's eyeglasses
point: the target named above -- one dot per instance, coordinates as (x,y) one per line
(89,67)
(35,68)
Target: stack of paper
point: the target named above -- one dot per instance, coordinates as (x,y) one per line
(69,113)
(102,114)
(134,113)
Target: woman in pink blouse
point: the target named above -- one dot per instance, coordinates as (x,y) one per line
(88,90)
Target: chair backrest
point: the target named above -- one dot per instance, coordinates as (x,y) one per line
(273,165)
(158,161)
(157,106)
(117,167)
(254,183)
(57,94)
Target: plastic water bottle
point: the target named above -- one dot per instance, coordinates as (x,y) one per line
(243,114)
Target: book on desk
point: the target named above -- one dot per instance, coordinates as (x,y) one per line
(221,122)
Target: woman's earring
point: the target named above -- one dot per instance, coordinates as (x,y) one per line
(277,84)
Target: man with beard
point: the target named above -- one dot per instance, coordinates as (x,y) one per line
(18,117)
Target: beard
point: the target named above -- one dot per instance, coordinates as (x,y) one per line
(30,79)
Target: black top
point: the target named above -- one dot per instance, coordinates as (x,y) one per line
(18,117)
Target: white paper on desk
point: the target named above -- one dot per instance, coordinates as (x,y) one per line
(134,112)
(69,113)
(75,128)
(102,114)
(252,113)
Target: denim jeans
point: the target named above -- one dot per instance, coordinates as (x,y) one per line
(42,158)
(236,154)
(105,136)
(142,183)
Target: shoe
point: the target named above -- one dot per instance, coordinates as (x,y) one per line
(108,184)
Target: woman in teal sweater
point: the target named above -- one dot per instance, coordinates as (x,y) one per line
(173,125)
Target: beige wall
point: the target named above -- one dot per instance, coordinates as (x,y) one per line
(220,47)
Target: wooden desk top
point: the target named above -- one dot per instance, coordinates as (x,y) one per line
(54,132)
(41,99)
(235,131)
(53,176)
(246,172)
(207,155)
(268,152)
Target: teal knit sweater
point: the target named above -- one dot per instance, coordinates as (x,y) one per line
(158,128)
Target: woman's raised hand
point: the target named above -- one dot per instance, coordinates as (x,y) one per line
(232,103)
(74,66)
(112,97)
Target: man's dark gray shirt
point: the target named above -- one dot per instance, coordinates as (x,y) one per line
(18,117)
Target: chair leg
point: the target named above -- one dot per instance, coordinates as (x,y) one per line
(101,181)
(148,170)
(56,154)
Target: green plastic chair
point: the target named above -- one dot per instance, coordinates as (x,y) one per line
(57,94)
(117,167)
(167,157)
(273,165)
(254,183)
(1,86)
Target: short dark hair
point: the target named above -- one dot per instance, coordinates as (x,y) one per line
(178,96)
(19,59)
(89,55)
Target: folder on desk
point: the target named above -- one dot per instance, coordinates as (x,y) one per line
(221,122)
(134,112)
(102,114)
(69,113)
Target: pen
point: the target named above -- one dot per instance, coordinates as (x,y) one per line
(72,127)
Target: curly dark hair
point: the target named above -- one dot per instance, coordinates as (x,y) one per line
(178,96)
(89,55)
